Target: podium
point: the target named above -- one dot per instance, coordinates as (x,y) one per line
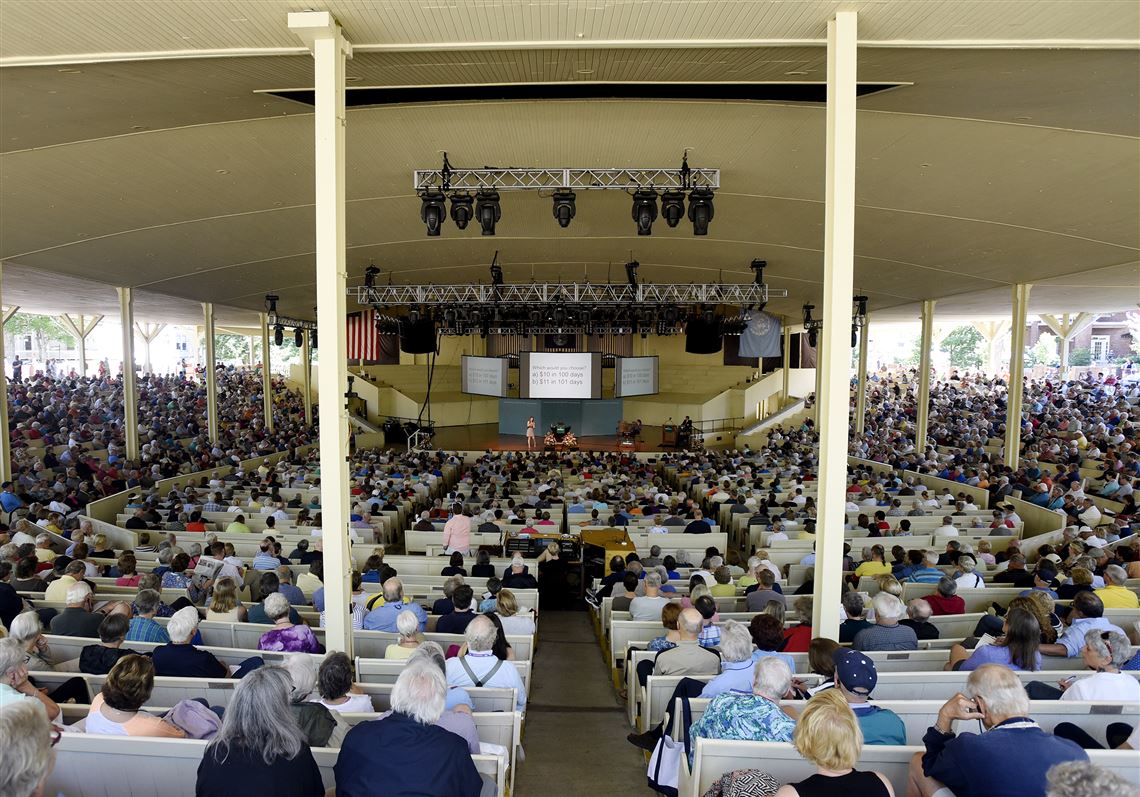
(669,435)
(614,542)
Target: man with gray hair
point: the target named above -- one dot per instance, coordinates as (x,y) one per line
(918,613)
(1011,758)
(480,666)
(417,756)
(654,558)
(648,606)
(78,619)
(887,633)
(143,627)
(182,659)
(1114,595)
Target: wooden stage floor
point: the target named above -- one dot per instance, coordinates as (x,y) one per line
(484,437)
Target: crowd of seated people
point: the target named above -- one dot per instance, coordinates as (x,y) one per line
(68,440)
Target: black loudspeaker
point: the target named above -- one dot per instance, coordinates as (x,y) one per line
(702,336)
(417,337)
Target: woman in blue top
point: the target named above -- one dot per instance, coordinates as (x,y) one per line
(1016,649)
(754,716)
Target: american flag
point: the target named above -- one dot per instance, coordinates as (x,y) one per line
(363,337)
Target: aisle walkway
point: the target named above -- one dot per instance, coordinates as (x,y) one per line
(575,727)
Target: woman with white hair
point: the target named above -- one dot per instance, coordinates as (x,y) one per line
(323,728)
(14,683)
(28,629)
(965,576)
(29,754)
(735,661)
(1104,653)
(285,636)
(408,627)
(260,748)
(754,715)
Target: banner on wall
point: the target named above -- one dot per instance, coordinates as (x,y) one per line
(761,335)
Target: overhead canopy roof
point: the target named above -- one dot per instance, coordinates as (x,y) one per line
(167,168)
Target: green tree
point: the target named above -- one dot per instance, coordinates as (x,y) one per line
(1044,352)
(963,344)
(43,328)
(231,347)
(1080,357)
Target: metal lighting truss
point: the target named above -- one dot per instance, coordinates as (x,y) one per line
(275,320)
(670,179)
(542,293)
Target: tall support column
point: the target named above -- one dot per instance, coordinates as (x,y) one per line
(266,379)
(80,326)
(130,395)
(861,375)
(1066,328)
(323,35)
(922,417)
(992,331)
(818,379)
(785,398)
(212,426)
(307,376)
(5,439)
(834,359)
(149,332)
(1016,372)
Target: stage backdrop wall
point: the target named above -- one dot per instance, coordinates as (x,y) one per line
(596,417)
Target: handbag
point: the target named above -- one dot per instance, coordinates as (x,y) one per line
(744,783)
(665,763)
(197,721)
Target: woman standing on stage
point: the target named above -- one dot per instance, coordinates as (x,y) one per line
(530,434)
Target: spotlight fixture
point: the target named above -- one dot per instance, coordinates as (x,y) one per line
(496,272)
(313,338)
(758,267)
(413,316)
(631,272)
(564,207)
(370,275)
(299,337)
(861,306)
(813,338)
(645,210)
(488,210)
(271,303)
(432,211)
(673,207)
(701,210)
(462,209)
(807,314)
(278,335)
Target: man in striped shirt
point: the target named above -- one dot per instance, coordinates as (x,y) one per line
(928,574)
(265,560)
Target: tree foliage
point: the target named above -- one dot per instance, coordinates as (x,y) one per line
(963,344)
(1043,352)
(43,328)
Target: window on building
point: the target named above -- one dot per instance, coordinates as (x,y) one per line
(27,342)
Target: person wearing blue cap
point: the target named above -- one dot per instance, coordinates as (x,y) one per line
(855,677)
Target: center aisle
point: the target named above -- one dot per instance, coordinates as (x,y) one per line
(575,727)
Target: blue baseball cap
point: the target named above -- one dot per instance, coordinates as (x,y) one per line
(855,671)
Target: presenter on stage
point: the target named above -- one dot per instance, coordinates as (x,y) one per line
(530,434)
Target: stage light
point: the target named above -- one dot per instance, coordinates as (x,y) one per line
(432,211)
(673,207)
(701,210)
(413,316)
(631,272)
(461,209)
(854,335)
(370,275)
(758,267)
(278,335)
(299,337)
(861,306)
(807,314)
(496,273)
(313,338)
(488,210)
(645,210)
(271,303)
(564,207)
(813,338)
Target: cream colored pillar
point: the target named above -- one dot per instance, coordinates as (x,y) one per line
(834,359)
(1016,372)
(1066,328)
(861,377)
(212,422)
(307,376)
(5,439)
(130,394)
(266,378)
(320,31)
(149,332)
(992,332)
(922,419)
(80,326)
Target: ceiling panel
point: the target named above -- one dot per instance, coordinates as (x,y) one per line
(33,28)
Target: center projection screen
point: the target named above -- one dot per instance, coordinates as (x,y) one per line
(635,376)
(570,375)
